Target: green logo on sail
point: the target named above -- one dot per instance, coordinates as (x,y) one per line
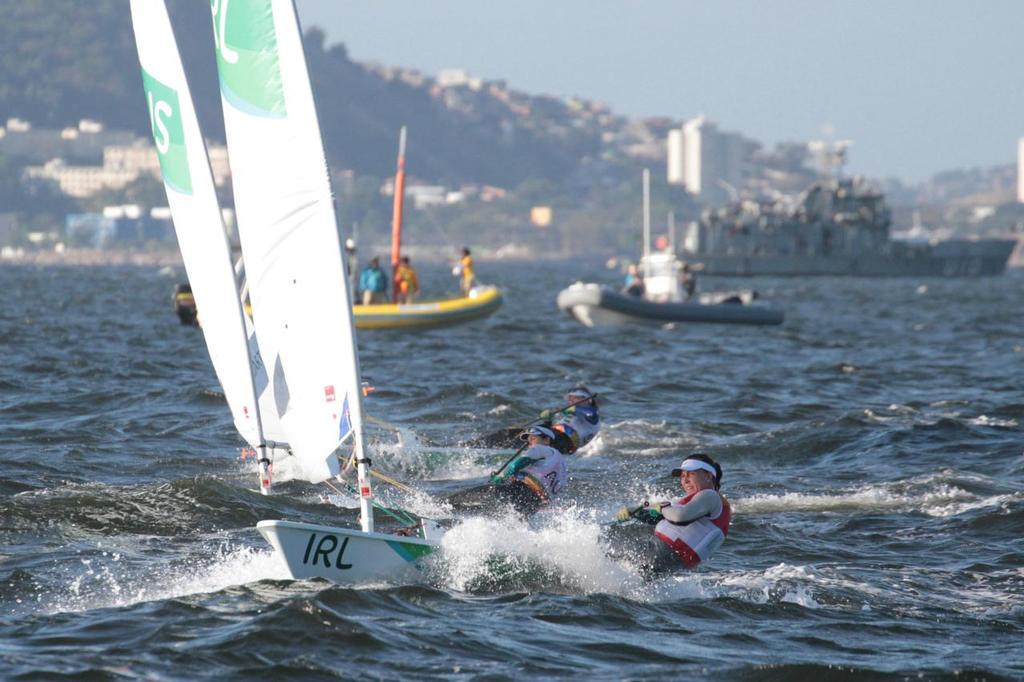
(168,133)
(247,60)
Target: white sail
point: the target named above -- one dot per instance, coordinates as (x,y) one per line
(288,231)
(197,218)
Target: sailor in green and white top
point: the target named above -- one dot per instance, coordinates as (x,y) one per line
(536,476)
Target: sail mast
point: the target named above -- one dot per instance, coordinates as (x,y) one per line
(205,252)
(396,214)
(647,219)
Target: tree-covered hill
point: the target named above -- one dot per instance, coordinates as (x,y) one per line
(64,60)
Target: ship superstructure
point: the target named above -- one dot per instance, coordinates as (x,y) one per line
(836,226)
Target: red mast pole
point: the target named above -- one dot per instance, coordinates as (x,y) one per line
(396,214)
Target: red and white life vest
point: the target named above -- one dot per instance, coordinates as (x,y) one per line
(697,540)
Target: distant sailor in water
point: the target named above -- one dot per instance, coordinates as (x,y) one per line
(577,424)
(535,477)
(690,529)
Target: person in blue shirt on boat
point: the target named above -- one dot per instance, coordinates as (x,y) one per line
(634,284)
(577,424)
(534,478)
(374,283)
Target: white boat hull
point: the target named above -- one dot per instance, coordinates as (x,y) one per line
(345,555)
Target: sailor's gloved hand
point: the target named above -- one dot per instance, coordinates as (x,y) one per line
(623,514)
(545,415)
(650,511)
(500,478)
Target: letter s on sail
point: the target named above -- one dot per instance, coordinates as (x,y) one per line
(220,18)
(158,112)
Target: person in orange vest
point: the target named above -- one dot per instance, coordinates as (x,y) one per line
(407,282)
(687,531)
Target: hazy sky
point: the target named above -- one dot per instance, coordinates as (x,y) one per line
(919,86)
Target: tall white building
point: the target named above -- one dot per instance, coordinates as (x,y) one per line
(1020,170)
(675,157)
(713,163)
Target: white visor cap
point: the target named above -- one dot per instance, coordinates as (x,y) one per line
(695,465)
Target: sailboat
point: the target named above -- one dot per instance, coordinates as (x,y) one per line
(302,323)
(480,301)
(663,301)
(233,348)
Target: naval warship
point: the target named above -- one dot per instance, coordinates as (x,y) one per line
(835,227)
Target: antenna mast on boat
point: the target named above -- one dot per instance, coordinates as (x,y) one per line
(831,156)
(396,215)
(647,218)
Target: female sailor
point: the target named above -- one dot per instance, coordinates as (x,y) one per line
(532,479)
(577,424)
(690,529)
(574,425)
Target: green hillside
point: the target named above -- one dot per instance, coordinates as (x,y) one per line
(65,60)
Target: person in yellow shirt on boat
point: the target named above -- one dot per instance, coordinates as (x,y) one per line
(407,282)
(465,269)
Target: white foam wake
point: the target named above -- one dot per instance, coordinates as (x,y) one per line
(110,579)
(931,494)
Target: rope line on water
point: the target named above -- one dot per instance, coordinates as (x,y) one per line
(383,423)
(403,516)
(398,484)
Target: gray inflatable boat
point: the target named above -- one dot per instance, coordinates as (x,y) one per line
(594,305)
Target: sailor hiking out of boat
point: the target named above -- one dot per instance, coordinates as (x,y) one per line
(687,531)
(577,424)
(574,425)
(533,478)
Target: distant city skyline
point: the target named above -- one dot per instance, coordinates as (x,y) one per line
(919,87)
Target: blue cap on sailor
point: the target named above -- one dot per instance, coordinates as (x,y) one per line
(579,391)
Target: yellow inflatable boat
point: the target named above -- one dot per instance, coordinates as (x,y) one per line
(481,302)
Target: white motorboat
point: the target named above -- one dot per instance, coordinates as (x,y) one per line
(663,297)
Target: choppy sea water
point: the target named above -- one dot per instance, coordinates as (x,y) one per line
(872,449)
